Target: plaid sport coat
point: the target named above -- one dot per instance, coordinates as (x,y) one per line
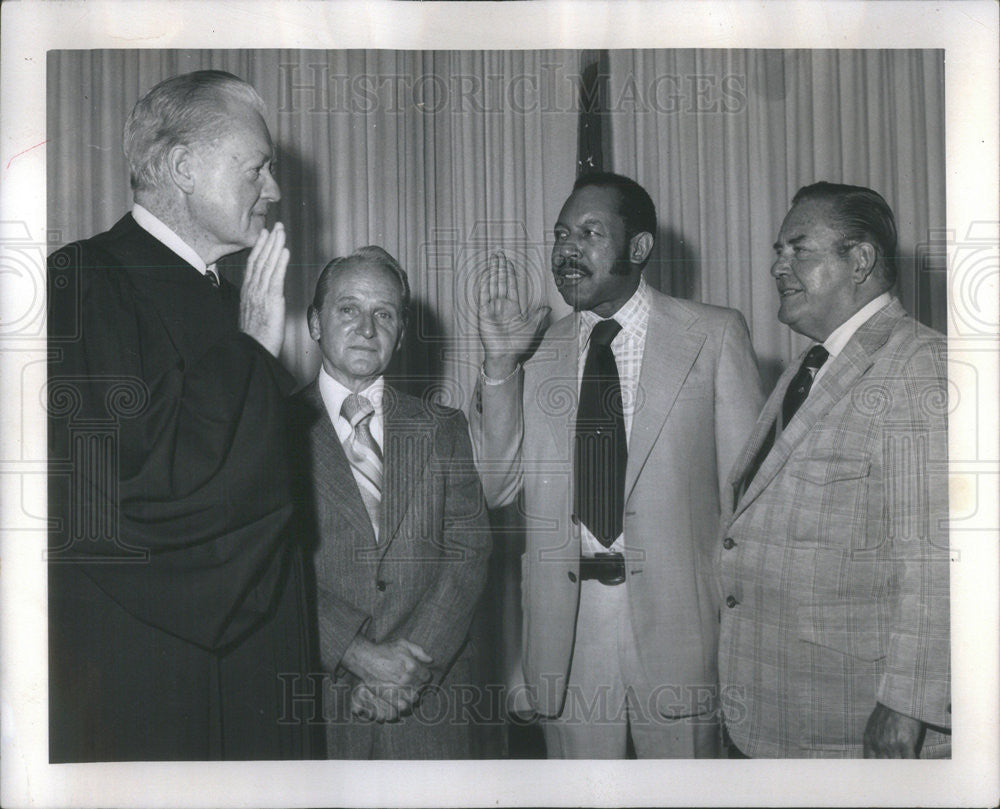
(833,563)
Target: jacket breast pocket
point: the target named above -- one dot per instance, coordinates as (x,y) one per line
(830,493)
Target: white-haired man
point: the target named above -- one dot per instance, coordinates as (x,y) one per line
(176,616)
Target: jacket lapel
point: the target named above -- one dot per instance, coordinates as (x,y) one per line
(765,420)
(407,446)
(844,372)
(669,352)
(562,369)
(335,481)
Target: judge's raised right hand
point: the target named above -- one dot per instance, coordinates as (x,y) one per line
(262,296)
(505,330)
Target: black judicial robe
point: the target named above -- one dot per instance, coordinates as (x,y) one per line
(177,625)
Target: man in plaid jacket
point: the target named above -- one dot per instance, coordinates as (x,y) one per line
(833,560)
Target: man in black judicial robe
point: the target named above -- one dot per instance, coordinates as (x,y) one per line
(177,625)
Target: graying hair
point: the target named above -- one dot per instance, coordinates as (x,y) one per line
(861,215)
(186,109)
(372,254)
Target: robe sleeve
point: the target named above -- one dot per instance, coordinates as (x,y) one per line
(168,481)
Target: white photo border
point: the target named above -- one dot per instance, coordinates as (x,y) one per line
(967,31)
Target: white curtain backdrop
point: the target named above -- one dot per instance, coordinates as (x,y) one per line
(441,156)
(436,156)
(722,139)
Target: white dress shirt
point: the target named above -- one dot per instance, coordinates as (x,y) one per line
(162,233)
(841,335)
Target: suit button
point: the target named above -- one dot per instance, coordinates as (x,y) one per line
(574,519)
(572,576)
(380,585)
(728,543)
(731,602)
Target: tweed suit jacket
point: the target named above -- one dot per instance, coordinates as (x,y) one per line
(421,581)
(834,562)
(699,393)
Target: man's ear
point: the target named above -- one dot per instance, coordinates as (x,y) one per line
(180,164)
(402,333)
(312,317)
(864,256)
(640,246)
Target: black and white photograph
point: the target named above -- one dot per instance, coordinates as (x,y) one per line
(464,403)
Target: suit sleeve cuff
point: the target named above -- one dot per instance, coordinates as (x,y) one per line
(339,623)
(901,695)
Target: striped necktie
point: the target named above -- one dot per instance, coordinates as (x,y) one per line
(364,454)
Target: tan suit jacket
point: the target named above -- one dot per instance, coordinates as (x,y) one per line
(698,396)
(835,571)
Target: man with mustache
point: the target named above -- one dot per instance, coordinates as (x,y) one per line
(619,430)
(175,596)
(834,554)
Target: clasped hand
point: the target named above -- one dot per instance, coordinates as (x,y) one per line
(392,675)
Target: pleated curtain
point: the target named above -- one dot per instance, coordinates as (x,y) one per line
(722,139)
(437,156)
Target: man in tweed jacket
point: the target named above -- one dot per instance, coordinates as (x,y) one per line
(833,560)
(399,561)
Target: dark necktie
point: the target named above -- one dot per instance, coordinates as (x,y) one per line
(796,394)
(600,448)
(212,278)
(801,383)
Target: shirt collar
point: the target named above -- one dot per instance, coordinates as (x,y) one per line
(632,316)
(841,335)
(334,393)
(156,228)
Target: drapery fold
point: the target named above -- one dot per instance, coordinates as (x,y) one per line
(722,139)
(441,156)
(437,156)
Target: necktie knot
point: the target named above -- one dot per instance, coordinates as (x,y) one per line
(356,408)
(605,331)
(815,358)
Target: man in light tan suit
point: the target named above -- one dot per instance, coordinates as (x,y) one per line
(834,559)
(619,430)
